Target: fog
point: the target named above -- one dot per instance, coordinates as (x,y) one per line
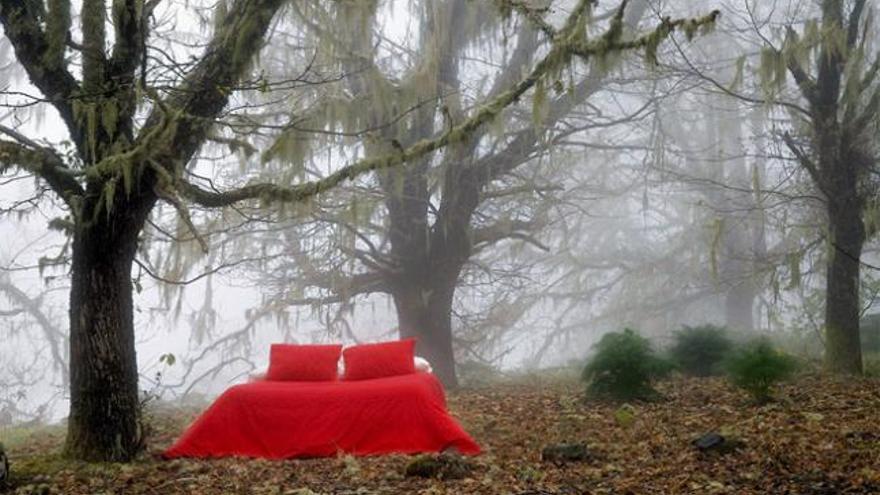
(617,192)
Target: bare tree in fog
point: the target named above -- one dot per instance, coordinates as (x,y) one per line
(27,321)
(419,236)
(834,62)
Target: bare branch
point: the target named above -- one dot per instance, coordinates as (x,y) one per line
(803,80)
(32,50)
(804,160)
(509,229)
(55,337)
(205,91)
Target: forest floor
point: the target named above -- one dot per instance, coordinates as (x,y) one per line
(821,436)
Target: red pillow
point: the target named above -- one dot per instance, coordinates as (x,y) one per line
(366,361)
(303,363)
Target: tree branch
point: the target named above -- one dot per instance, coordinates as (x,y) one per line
(94,57)
(32,50)
(855,17)
(344,287)
(804,160)
(560,51)
(534,15)
(508,229)
(803,80)
(55,337)
(43,163)
(204,93)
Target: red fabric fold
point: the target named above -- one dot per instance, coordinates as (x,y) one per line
(280,420)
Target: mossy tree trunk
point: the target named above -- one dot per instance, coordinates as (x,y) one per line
(104,422)
(843,101)
(841,166)
(120,174)
(846,237)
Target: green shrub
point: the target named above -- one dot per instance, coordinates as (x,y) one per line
(757,367)
(700,350)
(624,367)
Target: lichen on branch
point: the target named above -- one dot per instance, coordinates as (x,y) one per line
(568,42)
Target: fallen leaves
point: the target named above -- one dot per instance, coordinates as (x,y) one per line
(822,436)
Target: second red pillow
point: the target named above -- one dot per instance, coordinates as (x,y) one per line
(366,361)
(303,363)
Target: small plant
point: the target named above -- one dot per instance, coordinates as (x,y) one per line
(624,367)
(757,367)
(699,351)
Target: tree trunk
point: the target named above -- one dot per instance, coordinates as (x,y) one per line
(739,306)
(843,352)
(426,315)
(104,423)
(738,269)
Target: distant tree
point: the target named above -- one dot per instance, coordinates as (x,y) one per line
(34,371)
(827,121)
(834,62)
(440,213)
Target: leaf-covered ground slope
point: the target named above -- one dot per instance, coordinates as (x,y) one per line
(822,436)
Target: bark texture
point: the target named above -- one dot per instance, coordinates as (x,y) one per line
(104,422)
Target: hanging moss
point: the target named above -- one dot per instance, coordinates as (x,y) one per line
(127,169)
(91,122)
(794,270)
(109,115)
(243,41)
(738,73)
(717,232)
(383,97)
(109,193)
(539,104)
(767,69)
(220,10)
(756,184)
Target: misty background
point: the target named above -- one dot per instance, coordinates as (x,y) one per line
(651,197)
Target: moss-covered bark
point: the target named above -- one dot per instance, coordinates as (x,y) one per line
(842,99)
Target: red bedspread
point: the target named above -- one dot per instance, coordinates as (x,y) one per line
(279,420)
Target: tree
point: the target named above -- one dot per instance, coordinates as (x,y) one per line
(830,113)
(440,213)
(33,380)
(832,63)
(123,169)
(715,166)
(136,126)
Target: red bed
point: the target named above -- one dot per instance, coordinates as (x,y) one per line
(280,420)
